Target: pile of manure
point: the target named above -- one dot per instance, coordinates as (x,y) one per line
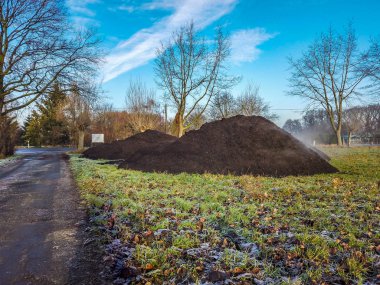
(237,145)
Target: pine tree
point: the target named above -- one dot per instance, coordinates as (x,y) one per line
(47,124)
(32,129)
(53,124)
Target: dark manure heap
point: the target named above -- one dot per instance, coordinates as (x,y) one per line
(238,145)
(129,148)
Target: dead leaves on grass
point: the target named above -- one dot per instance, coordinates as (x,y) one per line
(324,229)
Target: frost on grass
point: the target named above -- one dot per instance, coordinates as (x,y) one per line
(6,161)
(214,229)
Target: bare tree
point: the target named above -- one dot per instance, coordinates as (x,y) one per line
(223,106)
(250,103)
(293,126)
(371,117)
(316,127)
(103,122)
(197,120)
(39,47)
(191,72)
(328,74)
(79,112)
(352,121)
(142,107)
(113,124)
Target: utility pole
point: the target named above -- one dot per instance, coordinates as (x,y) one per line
(166,115)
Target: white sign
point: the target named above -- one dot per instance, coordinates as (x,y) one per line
(97,138)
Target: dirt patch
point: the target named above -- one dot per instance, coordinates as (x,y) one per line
(237,145)
(127,149)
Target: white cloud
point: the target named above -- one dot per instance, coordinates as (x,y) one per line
(80,22)
(244,44)
(81,6)
(82,15)
(127,8)
(162,4)
(141,47)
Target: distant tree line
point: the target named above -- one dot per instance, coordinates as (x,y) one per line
(361,122)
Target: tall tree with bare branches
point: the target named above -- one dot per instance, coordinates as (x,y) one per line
(328,74)
(39,47)
(191,72)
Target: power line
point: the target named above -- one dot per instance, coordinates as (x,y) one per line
(286,109)
(125,109)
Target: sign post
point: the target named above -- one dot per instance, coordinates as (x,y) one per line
(97,138)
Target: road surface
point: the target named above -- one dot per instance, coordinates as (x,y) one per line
(42,225)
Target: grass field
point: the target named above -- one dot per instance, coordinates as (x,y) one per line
(321,229)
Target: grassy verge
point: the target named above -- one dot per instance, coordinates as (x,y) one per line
(197,228)
(5,161)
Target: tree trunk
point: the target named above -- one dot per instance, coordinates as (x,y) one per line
(3,129)
(339,137)
(80,140)
(7,136)
(180,130)
(178,125)
(3,137)
(349,139)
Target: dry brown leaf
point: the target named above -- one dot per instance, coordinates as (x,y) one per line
(237,270)
(148,233)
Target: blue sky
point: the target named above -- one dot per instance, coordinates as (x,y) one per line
(263,34)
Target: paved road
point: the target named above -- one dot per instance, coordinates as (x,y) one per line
(42,237)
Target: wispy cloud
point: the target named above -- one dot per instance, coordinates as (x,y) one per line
(83,15)
(164,5)
(244,44)
(80,22)
(123,7)
(140,48)
(81,6)
(127,8)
